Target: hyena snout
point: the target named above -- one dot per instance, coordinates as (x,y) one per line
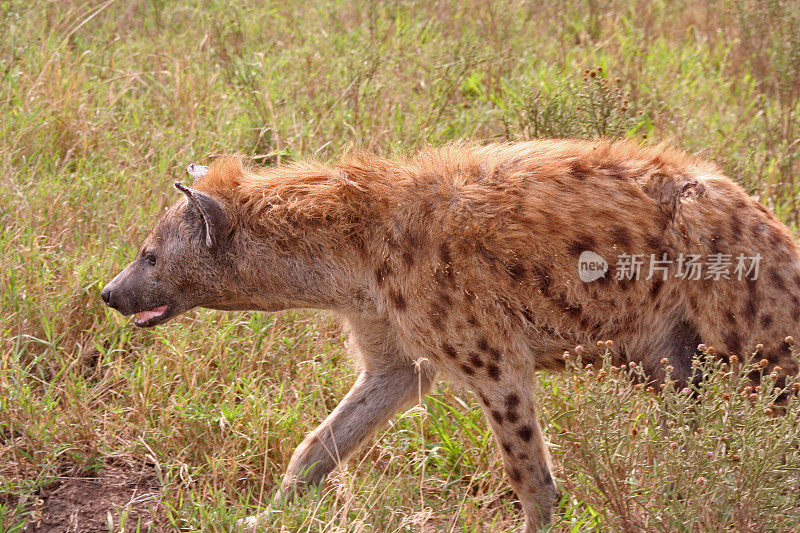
(105,294)
(115,298)
(130,295)
(113,294)
(119,294)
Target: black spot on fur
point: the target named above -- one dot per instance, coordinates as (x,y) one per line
(758,229)
(525,433)
(544,474)
(427,208)
(482,344)
(517,271)
(766,321)
(483,251)
(484,399)
(445,298)
(494,372)
(736,229)
(751,307)
(730,318)
(527,314)
(624,284)
(391,241)
(398,300)
(654,243)
(658,283)
(507,447)
(580,170)
(565,307)
(408,258)
(777,279)
(449,351)
(581,244)
(438,316)
(733,341)
(512,416)
(549,330)
(620,236)
(542,280)
(512,400)
(475,359)
(495,354)
(497,416)
(359,244)
(467,370)
(411,239)
(444,254)
(382,272)
(615,170)
(718,245)
(761,208)
(515,475)
(443,274)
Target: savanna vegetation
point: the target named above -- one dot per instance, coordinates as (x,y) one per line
(104,103)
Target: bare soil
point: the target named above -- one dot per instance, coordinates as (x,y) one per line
(90,504)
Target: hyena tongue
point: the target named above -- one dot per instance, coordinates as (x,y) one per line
(144,316)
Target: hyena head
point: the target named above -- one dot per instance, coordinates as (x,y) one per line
(182,263)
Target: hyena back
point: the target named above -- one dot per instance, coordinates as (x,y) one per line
(465,261)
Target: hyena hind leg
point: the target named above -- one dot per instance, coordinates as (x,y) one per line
(511,411)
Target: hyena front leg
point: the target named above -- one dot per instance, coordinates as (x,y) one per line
(509,405)
(375,398)
(388,383)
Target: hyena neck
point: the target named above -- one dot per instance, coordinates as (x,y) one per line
(311,267)
(307,235)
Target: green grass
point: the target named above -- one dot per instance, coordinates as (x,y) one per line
(102,105)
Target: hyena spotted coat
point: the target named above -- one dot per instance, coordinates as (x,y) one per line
(465,258)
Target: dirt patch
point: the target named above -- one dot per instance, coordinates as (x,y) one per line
(88,504)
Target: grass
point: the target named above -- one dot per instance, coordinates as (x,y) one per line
(103,105)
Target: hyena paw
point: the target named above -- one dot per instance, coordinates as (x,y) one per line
(254,523)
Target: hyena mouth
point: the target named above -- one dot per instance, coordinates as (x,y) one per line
(151,317)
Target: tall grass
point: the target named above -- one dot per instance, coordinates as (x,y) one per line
(105,102)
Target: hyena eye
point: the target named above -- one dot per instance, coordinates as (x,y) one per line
(151,259)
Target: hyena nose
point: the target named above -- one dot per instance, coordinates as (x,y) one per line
(105,294)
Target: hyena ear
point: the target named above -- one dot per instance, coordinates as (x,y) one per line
(197,172)
(215,222)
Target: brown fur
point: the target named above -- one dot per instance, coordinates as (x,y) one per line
(466,257)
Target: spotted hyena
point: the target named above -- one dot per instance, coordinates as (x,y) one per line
(484,263)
